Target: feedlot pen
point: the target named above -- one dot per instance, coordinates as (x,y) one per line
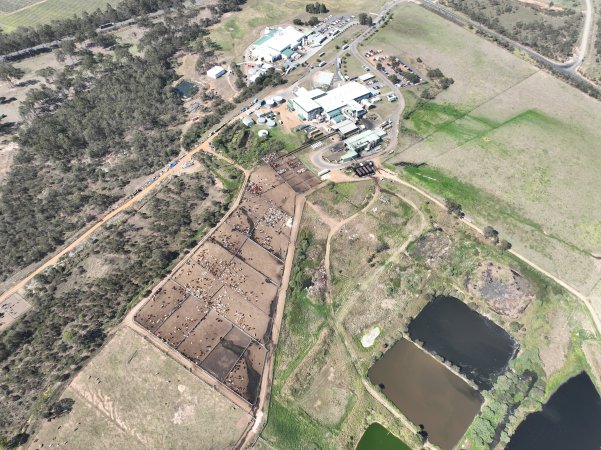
(217,307)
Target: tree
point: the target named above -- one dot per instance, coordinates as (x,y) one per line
(298,22)
(453,207)
(393,78)
(379,66)
(491,233)
(365,19)
(505,245)
(313,21)
(48,73)
(435,73)
(10,73)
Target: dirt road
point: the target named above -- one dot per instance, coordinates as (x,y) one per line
(385,173)
(113,213)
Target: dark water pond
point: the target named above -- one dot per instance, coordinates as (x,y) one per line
(478,346)
(376,437)
(426,392)
(185,89)
(571,419)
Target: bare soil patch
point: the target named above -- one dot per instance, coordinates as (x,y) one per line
(161,305)
(506,291)
(234,279)
(432,247)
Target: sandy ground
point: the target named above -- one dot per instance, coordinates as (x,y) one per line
(132,395)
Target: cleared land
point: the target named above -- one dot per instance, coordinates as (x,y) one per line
(133,396)
(26,13)
(523,144)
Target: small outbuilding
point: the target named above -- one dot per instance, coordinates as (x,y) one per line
(216,72)
(248,121)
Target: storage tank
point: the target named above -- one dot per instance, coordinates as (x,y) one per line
(271,123)
(261,120)
(278,99)
(270,103)
(263,133)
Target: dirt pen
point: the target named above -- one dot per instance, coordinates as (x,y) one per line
(217,308)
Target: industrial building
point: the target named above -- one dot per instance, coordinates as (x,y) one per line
(216,72)
(336,105)
(358,143)
(277,43)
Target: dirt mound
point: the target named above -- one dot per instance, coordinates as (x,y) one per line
(432,247)
(505,290)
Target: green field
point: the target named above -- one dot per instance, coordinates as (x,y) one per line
(517,147)
(26,13)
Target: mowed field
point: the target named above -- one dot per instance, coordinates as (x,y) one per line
(133,396)
(240,29)
(515,146)
(23,13)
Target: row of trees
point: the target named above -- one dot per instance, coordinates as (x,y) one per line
(316,8)
(81,27)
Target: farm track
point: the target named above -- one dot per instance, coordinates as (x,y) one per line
(113,213)
(337,317)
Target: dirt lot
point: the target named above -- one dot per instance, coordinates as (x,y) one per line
(12,308)
(133,396)
(233,278)
(505,290)
(343,200)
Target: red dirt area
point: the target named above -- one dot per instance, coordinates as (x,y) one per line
(243,313)
(283,196)
(241,221)
(245,377)
(205,337)
(273,239)
(263,179)
(183,320)
(262,260)
(293,171)
(256,206)
(212,257)
(248,281)
(161,305)
(198,280)
(229,238)
(223,358)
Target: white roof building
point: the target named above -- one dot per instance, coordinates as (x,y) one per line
(216,72)
(276,40)
(332,102)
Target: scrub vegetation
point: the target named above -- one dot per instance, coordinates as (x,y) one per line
(552,31)
(428,252)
